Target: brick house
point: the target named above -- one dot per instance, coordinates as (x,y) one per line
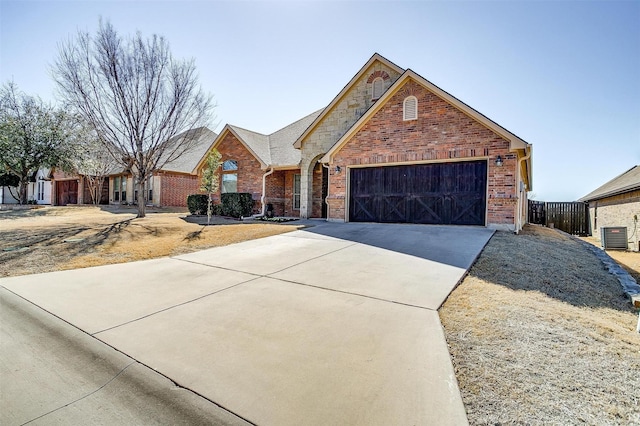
(617,203)
(169,186)
(173,182)
(390,147)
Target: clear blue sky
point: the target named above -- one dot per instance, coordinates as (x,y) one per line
(564,76)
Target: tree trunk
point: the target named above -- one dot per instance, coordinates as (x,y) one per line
(142,199)
(24,184)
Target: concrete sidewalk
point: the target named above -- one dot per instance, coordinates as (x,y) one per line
(336,324)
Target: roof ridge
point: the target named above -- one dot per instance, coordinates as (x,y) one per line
(297,121)
(246,130)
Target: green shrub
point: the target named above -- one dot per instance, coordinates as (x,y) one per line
(237,204)
(197,203)
(217,210)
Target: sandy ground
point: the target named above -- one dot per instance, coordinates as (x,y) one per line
(541,334)
(58,238)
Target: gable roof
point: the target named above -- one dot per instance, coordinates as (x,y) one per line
(343,92)
(256,143)
(275,150)
(626,182)
(514,141)
(188,161)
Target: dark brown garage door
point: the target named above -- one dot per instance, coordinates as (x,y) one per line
(445,193)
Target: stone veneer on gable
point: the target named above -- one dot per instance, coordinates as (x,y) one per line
(335,124)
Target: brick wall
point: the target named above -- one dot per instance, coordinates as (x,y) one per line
(441,133)
(275,192)
(176,187)
(249,169)
(618,210)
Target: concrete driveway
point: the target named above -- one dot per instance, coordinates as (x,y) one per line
(334,324)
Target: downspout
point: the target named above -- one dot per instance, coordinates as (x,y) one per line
(264,189)
(520,198)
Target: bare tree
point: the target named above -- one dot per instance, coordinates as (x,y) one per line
(33,135)
(94,162)
(135,95)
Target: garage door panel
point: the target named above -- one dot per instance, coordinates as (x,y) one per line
(426,209)
(444,193)
(393,209)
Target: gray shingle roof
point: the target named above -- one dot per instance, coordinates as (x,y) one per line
(188,161)
(281,142)
(276,149)
(257,142)
(626,182)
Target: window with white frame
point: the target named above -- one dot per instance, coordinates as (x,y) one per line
(377,88)
(296,191)
(410,108)
(120,188)
(40,190)
(229,176)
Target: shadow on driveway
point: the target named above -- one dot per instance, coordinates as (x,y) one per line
(451,245)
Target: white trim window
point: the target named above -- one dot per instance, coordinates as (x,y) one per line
(229,176)
(296,192)
(377,88)
(40,190)
(410,108)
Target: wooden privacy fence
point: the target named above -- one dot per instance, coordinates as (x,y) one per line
(570,217)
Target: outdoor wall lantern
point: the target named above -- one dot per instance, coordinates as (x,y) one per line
(338,170)
(499,161)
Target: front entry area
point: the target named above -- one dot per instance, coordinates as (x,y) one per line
(440,193)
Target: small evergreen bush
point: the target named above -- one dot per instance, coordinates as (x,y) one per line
(237,204)
(197,203)
(217,210)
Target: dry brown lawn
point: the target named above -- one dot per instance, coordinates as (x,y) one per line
(629,260)
(57,238)
(540,333)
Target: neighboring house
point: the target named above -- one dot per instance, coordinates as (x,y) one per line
(6,195)
(390,147)
(66,188)
(617,203)
(38,189)
(170,185)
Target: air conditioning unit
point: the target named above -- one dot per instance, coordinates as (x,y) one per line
(614,238)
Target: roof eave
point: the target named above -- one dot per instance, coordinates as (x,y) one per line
(515,143)
(228,129)
(613,193)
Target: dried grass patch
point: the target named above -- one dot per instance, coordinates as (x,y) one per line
(57,238)
(540,333)
(629,260)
